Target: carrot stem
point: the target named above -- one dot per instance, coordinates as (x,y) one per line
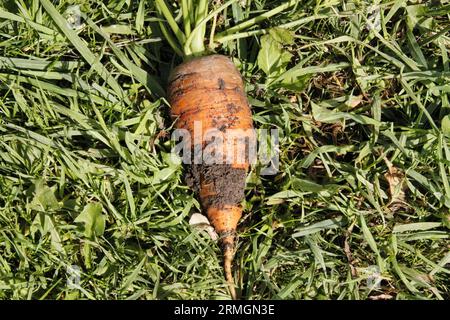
(261,17)
(162,7)
(197,45)
(227,37)
(213,30)
(201,23)
(186,17)
(172,42)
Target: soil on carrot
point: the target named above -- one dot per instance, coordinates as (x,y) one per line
(227,182)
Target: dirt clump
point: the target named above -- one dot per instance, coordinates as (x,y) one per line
(226,183)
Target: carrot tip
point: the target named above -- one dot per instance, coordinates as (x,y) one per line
(228,252)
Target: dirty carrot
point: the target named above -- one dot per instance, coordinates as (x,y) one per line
(207,90)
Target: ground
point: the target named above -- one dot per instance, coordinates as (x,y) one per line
(92,206)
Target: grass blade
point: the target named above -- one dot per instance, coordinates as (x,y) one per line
(90,58)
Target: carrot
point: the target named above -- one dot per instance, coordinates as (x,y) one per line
(210,90)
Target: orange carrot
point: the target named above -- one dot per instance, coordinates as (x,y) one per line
(210,90)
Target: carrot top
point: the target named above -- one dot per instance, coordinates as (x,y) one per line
(187,37)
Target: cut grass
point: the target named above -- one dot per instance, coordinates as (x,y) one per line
(358,90)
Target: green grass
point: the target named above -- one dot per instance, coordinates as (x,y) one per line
(86,177)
